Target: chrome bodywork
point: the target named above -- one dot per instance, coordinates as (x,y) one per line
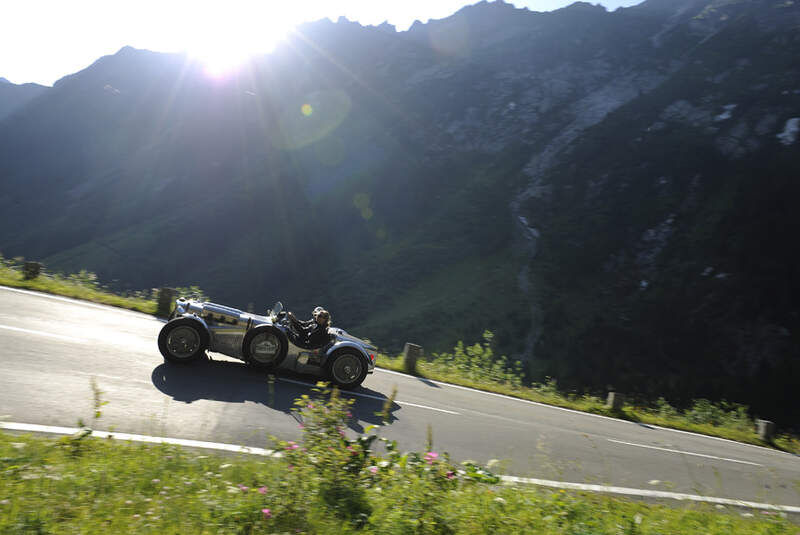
(228,326)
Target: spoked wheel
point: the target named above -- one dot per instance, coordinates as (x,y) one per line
(347,369)
(264,347)
(182,340)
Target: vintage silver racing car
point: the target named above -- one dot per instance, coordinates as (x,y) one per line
(267,342)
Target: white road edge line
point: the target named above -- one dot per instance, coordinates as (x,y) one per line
(684,452)
(110,308)
(643,493)
(36,428)
(42,333)
(375,397)
(459,387)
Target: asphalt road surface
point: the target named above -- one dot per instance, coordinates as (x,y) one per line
(51,347)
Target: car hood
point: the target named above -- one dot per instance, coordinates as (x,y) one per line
(344,335)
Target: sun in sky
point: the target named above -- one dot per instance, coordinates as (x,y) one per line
(224,35)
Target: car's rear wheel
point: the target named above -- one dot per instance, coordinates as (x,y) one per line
(182,340)
(347,369)
(264,347)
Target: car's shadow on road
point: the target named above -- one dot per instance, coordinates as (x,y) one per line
(236,382)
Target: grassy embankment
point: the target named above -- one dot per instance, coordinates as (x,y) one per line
(474,366)
(328,483)
(81,285)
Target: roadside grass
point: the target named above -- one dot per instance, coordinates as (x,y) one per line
(477,367)
(473,366)
(328,483)
(81,285)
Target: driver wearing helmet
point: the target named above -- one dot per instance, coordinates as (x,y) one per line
(313,332)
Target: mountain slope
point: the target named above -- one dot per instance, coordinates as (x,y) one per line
(14,97)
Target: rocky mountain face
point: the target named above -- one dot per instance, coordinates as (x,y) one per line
(611,193)
(14,97)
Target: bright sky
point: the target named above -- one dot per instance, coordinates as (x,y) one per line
(43,40)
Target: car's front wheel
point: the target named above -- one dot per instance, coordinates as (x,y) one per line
(182,340)
(264,347)
(347,369)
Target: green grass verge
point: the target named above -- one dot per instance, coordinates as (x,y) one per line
(79,286)
(740,428)
(329,483)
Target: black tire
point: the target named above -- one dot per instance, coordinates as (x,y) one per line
(346,368)
(264,347)
(183,340)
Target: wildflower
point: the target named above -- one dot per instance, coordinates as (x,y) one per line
(310,405)
(302,426)
(500,500)
(383,464)
(267,513)
(187,482)
(292,446)
(290,467)
(243,488)
(128,502)
(262,490)
(637,519)
(163,492)
(154,481)
(373,469)
(431,456)
(137,516)
(224,466)
(450,475)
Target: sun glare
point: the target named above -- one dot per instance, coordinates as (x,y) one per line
(219,61)
(223,40)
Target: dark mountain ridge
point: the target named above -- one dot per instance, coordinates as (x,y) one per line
(14,97)
(610,193)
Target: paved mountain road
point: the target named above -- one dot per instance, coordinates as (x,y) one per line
(50,347)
